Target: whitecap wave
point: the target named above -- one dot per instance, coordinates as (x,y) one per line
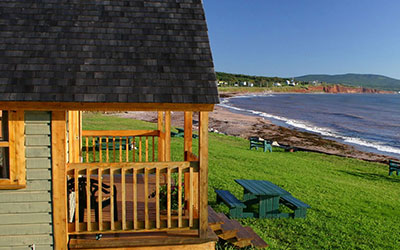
(315,129)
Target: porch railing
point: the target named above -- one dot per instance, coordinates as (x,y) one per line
(119,145)
(132,196)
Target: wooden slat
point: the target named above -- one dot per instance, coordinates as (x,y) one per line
(147,149)
(127,149)
(135,200)
(153,148)
(157,198)
(123,195)
(112,199)
(88,207)
(146,198)
(100,150)
(179,197)
(140,148)
(203,174)
(120,133)
(107,151)
(191,187)
(113,140)
(100,198)
(120,149)
(169,223)
(134,150)
(94,149)
(59,151)
(4,144)
(76,182)
(168,136)
(87,149)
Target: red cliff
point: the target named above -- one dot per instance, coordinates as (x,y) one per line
(342,89)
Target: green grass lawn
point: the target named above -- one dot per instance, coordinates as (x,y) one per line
(355,204)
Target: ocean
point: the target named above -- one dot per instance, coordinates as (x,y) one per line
(370,122)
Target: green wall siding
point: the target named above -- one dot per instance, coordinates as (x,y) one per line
(25,214)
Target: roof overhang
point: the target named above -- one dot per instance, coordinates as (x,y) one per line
(87,106)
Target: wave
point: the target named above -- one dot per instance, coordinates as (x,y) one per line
(315,129)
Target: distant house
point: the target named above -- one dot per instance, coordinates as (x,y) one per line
(222,83)
(243,84)
(277,84)
(291,83)
(251,84)
(236,85)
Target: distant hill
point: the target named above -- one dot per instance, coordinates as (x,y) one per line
(362,80)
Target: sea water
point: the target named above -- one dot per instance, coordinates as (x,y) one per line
(370,122)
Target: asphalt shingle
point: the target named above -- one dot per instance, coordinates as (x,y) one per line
(146,51)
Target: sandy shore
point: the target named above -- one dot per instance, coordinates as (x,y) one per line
(225,121)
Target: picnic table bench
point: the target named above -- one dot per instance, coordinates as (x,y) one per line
(266,196)
(256,142)
(181,133)
(394,166)
(125,141)
(235,205)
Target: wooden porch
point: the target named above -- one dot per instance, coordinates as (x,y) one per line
(123,191)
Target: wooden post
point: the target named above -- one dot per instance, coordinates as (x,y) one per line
(74,124)
(161,128)
(188,134)
(59,181)
(203,174)
(168,136)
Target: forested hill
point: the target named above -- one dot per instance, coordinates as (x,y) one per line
(362,80)
(235,78)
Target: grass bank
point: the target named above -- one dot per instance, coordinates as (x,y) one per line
(355,204)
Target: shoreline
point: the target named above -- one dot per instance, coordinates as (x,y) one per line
(226,121)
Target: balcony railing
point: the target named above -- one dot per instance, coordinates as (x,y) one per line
(132,197)
(119,145)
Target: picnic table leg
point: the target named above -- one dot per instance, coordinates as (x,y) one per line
(269,207)
(263,207)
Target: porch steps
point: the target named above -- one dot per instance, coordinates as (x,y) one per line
(233,232)
(257,242)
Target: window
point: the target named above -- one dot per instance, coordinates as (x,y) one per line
(12,150)
(4,149)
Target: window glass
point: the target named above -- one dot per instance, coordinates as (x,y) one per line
(4,163)
(4,166)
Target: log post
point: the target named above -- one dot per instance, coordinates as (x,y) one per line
(188,134)
(203,174)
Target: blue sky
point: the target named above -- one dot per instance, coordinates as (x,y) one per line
(297,37)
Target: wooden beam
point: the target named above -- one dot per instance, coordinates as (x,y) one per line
(188,134)
(203,174)
(19,131)
(101,106)
(161,138)
(73,136)
(119,133)
(59,182)
(167,136)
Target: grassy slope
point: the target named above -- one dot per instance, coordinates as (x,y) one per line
(355,205)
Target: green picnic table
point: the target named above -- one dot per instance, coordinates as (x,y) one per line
(268,197)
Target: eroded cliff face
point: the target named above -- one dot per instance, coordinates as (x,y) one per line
(342,89)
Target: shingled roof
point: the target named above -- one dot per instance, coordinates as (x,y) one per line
(128,51)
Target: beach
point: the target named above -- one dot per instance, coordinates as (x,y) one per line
(226,121)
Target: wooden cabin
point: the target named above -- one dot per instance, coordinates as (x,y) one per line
(62,187)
